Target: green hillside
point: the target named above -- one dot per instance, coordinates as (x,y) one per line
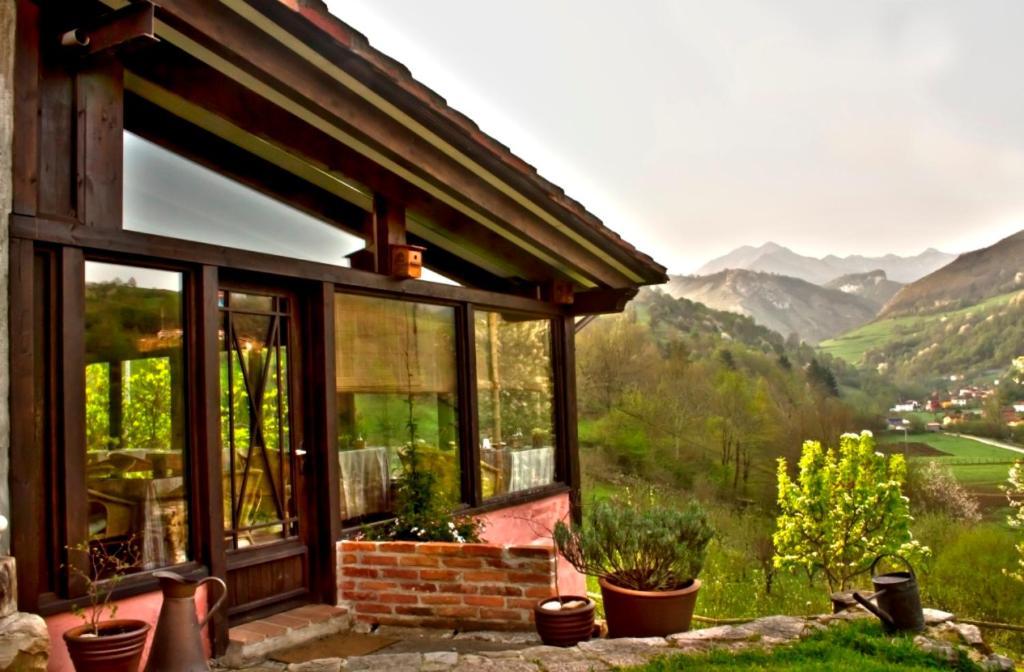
(971,341)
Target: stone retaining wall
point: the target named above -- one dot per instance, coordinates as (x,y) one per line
(444,585)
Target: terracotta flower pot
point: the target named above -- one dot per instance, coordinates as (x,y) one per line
(566,627)
(639,613)
(118,648)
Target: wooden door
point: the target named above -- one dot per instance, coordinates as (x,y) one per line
(262,456)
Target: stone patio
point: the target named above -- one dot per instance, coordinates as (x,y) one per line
(424,650)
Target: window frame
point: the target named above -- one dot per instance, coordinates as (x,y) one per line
(68,399)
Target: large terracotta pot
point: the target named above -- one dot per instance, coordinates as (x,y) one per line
(118,648)
(567,627)
(639,613)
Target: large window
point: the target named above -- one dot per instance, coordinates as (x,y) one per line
(515,400)
(396,393)
(167,195)
(135,414)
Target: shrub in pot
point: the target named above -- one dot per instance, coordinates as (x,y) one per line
(646,559)
(112,644)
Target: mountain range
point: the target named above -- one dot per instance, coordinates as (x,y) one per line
(970,279)
(774,258)
(781,303)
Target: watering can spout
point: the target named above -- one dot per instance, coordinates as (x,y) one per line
(867,604)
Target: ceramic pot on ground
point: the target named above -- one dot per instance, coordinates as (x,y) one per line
(565,627)
(118,648)
(640,613)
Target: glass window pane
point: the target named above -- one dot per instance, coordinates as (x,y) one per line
(515,393)
(167,195)
(135,414)
(256,450)
(396,391)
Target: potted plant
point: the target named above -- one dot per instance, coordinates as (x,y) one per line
(111,645)
(646,560)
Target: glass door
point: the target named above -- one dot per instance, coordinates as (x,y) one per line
(261,455)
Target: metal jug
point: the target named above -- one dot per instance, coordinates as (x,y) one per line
(177,645)
(899,602)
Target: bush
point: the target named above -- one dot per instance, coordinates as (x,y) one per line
(967,576)
(643,548)
(934,489)
(1015,493)
(845,509)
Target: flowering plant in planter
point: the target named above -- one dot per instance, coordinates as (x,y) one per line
(422,512)
(647,559)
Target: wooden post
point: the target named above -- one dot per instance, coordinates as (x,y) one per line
(388,230)
(100,104)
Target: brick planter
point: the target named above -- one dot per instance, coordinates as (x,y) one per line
(442,585)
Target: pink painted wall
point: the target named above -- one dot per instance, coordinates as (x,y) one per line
(145,607)
(531,523)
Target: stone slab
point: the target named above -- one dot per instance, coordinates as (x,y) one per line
(24,643)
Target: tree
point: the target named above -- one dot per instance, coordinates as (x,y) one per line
(845,508)
(1015,493)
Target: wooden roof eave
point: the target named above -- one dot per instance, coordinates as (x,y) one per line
(241,51)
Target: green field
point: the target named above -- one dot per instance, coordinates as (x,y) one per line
(983,479)
(853,345)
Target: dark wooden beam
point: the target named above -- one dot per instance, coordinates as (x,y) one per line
(125,28)
(29,457)
(71,365)
(601,301)
(208,516)
(100,133)
(69,232)
(388,230)
(25,153)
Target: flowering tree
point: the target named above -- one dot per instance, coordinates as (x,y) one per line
(1015,493)
(844,509)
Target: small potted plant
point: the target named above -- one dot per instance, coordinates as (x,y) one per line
(112,644)
(646,559)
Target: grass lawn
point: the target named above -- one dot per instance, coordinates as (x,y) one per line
(854,647)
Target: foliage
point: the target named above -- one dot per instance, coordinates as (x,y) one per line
(1015,493)
(967,576)
(640,547)
(845,509)
(676,393)
(422,511)
(933,488)
(104,570)
(857,646)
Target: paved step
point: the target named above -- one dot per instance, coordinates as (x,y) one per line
(254,641)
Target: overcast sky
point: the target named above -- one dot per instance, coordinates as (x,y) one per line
(694,127)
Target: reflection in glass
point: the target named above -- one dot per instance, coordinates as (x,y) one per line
(167,195)
(259,506)
(395,393)
(514,398)
(135,414)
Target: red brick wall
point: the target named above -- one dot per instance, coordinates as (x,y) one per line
(466,586)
